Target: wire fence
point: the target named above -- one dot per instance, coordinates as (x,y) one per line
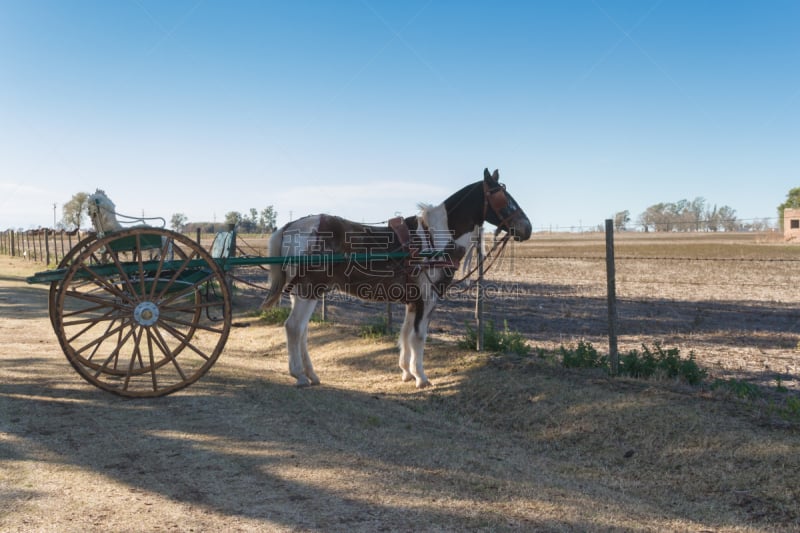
(736,304)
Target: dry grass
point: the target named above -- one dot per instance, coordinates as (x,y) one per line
(503,443)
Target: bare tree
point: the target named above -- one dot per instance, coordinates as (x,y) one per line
(621,220)
(178,221)
(73,211)
(727,218)
(268,219)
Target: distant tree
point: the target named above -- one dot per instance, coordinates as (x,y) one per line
(712,218)
(621,220)
(178,221)
(73,211)
(695,214)
(233,217)
(761,224)
(684,215)
(792,202)
(268,219)
(657,217)
(727,218)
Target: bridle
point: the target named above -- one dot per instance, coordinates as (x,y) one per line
(497,200)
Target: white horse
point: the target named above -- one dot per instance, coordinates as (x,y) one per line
(103,213)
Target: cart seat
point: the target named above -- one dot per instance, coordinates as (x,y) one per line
(221,247)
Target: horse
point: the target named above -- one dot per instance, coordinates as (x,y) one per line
(412,261)
(102,212)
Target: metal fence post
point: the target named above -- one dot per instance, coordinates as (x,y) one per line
(232,253)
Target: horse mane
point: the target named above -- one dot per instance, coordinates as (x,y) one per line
(434,218)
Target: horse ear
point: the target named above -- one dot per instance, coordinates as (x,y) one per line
(486,175)
(496,175)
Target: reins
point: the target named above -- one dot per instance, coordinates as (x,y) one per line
(501,243)
(491,201)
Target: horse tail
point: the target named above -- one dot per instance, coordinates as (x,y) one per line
(277,275)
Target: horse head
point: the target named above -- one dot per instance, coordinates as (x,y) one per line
(501,210)
(102,212)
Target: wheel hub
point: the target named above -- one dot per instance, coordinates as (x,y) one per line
(146,314)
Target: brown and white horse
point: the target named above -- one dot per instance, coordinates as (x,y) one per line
(324,252)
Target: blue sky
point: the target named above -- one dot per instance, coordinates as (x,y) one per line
(363,108)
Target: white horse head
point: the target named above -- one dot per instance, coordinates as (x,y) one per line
(102,211)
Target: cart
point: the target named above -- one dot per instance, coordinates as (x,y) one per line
(145,312)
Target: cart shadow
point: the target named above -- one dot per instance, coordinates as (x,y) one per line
(23,302)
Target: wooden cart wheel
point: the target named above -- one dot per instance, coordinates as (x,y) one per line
(65,263)
(149,321)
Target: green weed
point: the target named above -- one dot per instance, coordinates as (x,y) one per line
(583,356)
(659,361)
(646,364)
(376,329)
(504,341)
(274,315)
(736,387)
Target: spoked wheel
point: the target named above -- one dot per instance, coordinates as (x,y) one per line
(65,263)
(149,321)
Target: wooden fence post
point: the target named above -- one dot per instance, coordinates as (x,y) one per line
(46,247)
(479,294)
(61,238)
(612,298)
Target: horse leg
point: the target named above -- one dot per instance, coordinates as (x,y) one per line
(296,341)
(308,368)
(416,340)
(404,341)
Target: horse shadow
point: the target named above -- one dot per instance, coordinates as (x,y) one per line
(232,446)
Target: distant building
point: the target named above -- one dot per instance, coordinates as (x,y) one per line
(791,224)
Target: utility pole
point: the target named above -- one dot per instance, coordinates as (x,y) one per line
(54,215)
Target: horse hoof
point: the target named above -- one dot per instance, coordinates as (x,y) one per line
(424,384)
(407,376)
(304,382)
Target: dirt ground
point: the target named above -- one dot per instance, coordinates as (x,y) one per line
(500,444)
